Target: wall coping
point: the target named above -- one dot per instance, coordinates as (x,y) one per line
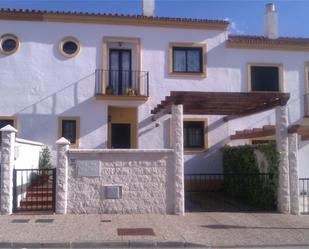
(25,141)
(118,151)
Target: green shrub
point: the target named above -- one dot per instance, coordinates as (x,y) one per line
(45,159)
(245,181)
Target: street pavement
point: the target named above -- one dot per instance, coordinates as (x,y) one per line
(208,230)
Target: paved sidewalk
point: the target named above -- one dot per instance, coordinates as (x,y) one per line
(213,230)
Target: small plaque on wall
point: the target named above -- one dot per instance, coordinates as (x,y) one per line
(88,168)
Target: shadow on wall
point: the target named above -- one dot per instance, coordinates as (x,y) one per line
(211,160)
(39,121)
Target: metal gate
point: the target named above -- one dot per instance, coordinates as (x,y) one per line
(34,189)
(304,195)
(230,192)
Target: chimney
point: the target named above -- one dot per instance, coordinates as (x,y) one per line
(270,21)
(148,7)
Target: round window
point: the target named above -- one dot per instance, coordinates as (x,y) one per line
(69,47)
(8,44)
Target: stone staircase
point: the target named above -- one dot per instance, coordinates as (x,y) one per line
(38,196)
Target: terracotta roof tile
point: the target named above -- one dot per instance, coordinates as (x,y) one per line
(4,11)
(251,41)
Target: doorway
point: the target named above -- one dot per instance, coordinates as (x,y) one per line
(120,65)
(122,127)
(121,136)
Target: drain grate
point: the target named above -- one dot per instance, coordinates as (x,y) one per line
(135,231)
(20,221)
(106,221)
(44,221)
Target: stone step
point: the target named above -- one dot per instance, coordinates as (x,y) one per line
(40,189)
(25,203)
(38,194)
(38,198)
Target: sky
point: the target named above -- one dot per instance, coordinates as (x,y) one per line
(245,16)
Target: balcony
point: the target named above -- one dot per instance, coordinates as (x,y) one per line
(121,85)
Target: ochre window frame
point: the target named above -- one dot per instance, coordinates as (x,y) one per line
(123,119)
(135,40)
(77,119)
(66,39)
(259,64)
(203,46)
(14,118)
(267,138)
(10,36)
(186,149)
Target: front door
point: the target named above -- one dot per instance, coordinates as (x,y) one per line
(121,136)
(120,70)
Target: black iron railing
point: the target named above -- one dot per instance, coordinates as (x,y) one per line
(34,189)
(304,195)
(231,192)
(122,82)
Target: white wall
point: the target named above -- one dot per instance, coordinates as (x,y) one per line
(27,154)
(44,84)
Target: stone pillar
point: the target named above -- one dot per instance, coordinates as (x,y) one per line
(62,176)
(7,165)
(293,165)
(282,146)
(177,121)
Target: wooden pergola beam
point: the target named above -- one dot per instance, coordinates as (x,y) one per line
(270,130)
(230,104)
(255,133)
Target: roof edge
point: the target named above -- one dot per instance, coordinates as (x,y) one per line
(114,19)
(262,42)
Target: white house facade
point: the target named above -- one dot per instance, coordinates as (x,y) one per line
(94,79)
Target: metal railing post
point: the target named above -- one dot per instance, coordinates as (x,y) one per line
(138,81)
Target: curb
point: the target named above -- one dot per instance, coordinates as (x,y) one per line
(104,244)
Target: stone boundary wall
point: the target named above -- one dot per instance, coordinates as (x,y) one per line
(146,178)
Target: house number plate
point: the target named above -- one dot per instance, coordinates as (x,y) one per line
(90,168)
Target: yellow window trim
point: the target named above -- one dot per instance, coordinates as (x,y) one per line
(105,41)
(77,119)
(279,65)
(9,36)
(188,45)
(66,39)
(205,120)
(14,118)
(269,138)
(123,115)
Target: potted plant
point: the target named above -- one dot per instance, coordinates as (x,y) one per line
(44,163)
(130,91)
(109,90)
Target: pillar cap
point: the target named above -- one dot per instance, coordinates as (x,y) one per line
(63,141)
(8,128)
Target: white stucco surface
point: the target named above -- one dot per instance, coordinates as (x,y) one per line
(27,154)
(38,84)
